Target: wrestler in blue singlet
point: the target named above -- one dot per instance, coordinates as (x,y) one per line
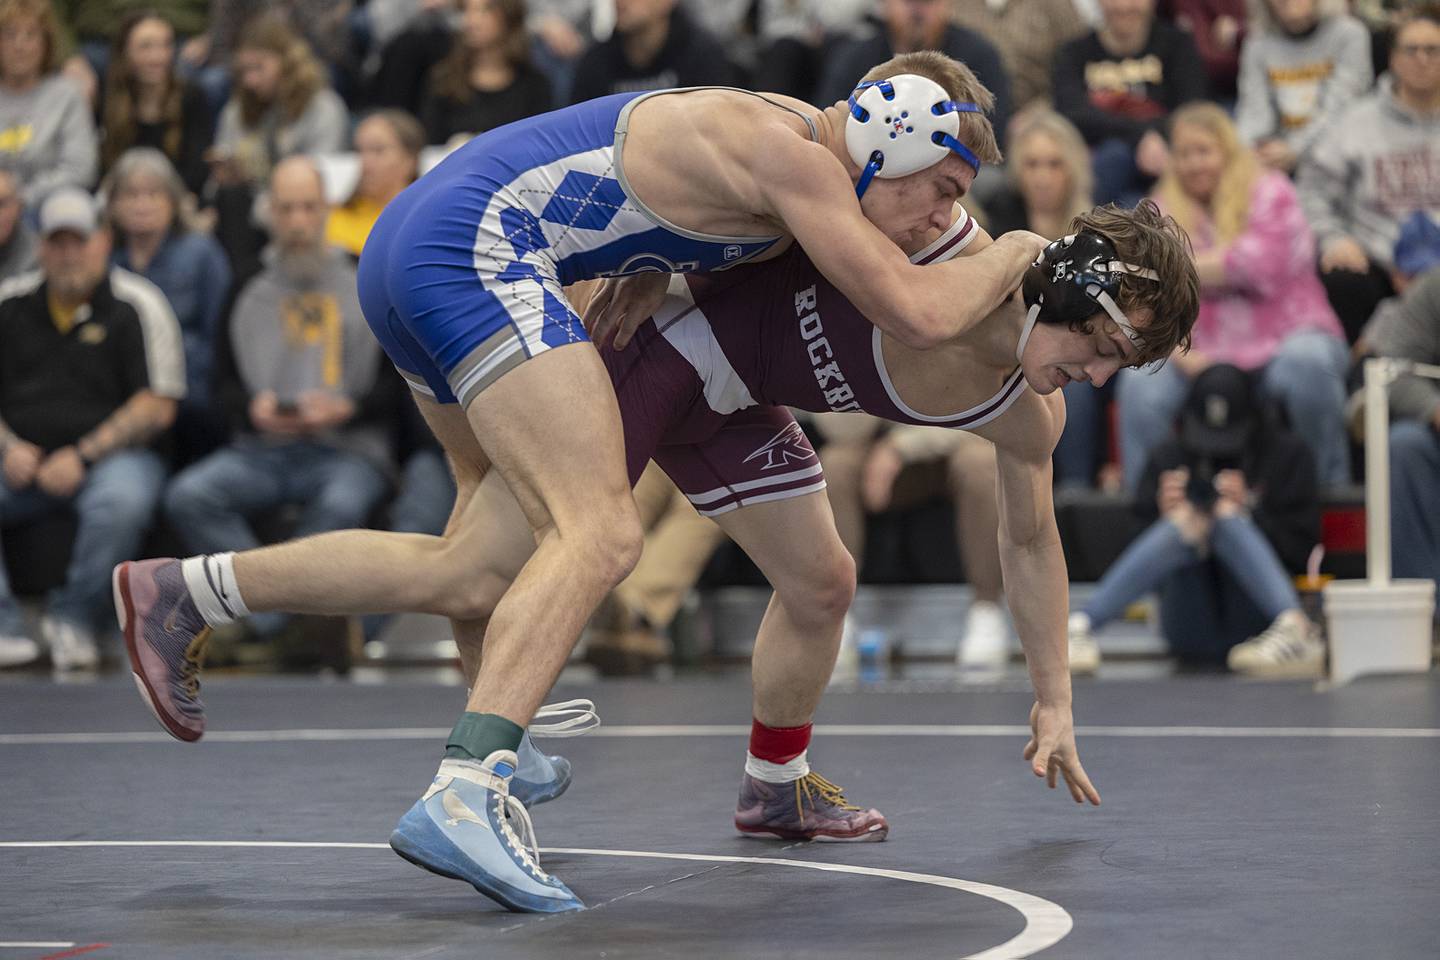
(461,276)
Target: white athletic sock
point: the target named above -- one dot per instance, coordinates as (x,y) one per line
(211,581)
(777,772)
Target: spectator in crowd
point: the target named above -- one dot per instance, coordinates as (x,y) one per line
(1218,28)
(628,632)
(909,25)
(1414,334)
(870,467)
(17,240)
(656,44)
(47,134)
(323,25)
(403,64)
(147,104)
(1050,183)
(388,143)
(798,37)
(561,30)
(89,28)
(155,239)
(1028,33)
(486,80)
(1234,506)
(1261,304)
(1373,167)
(298,375)
(1303,63)
(971,482)
(84,389)
(1119,85)
(281,106)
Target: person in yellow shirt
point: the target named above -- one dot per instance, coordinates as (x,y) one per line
(389,144)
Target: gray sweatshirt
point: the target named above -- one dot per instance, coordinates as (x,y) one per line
(323,127)
(1290,88)
(1411,331)
(47,137)
(1371,169)
(17,255)
(299,327)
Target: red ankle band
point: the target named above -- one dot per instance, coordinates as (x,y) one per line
(778,744)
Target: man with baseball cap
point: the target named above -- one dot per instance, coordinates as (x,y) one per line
(89,376)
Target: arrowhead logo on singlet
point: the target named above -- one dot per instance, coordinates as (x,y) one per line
(786,447)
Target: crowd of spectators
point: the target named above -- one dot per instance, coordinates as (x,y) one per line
(235,154)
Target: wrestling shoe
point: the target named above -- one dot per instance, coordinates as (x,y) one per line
(1289,648)
(538,776)
(165,637)
(468,827)
(811,808)
(1084,651)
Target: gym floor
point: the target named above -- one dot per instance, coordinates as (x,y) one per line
(1240,820)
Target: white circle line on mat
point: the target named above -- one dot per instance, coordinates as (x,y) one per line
(1046,923)
(643,731)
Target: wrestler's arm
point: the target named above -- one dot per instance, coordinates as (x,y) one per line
(1037,582)
(807,189)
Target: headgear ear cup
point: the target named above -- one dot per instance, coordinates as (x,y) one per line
(902,125)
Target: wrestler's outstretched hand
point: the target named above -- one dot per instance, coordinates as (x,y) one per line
(620,305)
(1051,750)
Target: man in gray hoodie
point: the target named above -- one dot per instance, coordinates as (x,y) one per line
(1376,165)
(308,408)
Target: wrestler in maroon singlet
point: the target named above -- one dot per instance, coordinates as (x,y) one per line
(704,387)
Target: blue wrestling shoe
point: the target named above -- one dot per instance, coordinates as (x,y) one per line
(468,827)
(540,777)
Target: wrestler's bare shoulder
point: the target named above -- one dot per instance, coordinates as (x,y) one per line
(694,156)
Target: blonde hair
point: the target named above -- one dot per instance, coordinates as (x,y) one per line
(43,14)
(960,82)
(301,75)
(1042,121)
(1229,207)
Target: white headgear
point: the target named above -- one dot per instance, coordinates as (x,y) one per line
(902,125)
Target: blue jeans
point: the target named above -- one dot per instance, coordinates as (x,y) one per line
(1306,377)
(1117,179)
(1415,501)
(1208,597)
(209,502)
(113,509)
(1081,449)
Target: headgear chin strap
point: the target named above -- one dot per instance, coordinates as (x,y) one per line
(1071,278)
(902,125)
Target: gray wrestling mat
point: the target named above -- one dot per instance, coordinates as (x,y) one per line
(1240,820)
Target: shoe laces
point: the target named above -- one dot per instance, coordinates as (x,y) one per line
(811,787)
(194,660)
(580,719)
(519,830)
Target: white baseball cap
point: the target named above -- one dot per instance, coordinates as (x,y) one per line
(68,208)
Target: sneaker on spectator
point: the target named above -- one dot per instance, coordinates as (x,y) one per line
(1084,651)
(986,643)
(17,650)
(72,647)
(1289,648)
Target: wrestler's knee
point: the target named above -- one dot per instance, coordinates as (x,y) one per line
(821,594)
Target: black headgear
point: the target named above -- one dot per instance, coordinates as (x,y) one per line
(1073,278)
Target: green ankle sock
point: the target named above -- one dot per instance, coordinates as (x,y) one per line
(477,735)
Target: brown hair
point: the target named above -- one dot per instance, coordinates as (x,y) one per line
(451,76)
(118,111)
(960,82)
(1146,237)
(301,75)
(44,13)
(1407,15)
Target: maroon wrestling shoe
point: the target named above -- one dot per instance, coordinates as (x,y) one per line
(811,808)
(165,637)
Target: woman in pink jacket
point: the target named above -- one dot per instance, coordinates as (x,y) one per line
(1262,306)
